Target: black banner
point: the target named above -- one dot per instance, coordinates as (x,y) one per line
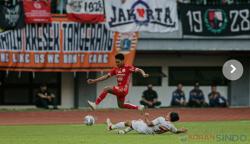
(11,16)
(215,20)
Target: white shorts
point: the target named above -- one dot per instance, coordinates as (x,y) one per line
(141,127)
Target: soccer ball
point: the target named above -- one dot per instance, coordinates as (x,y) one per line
(89,120)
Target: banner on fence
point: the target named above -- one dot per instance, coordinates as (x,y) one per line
(64,46)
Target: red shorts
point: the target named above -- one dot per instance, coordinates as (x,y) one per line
(120,93)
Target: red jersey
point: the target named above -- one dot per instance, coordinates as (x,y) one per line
(123,75)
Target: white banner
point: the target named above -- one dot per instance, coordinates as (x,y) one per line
(141,15)
(87,11)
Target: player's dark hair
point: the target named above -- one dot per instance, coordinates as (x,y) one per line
(119,56)
(174,116)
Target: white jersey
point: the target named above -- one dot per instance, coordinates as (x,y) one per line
(160,125)
(141,127)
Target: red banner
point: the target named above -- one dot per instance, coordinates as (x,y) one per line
(37,11)
(64,46)
(86,11)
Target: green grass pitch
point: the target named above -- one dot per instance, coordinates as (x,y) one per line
(233,132)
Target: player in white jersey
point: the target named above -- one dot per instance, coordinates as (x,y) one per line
(157,126)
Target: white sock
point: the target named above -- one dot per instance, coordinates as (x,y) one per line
(128,129)
(118,125)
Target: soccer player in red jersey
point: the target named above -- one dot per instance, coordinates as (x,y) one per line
(123,74)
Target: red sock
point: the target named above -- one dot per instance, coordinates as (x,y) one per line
(101,97)
(130,106)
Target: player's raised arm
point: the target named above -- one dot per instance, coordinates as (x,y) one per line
(102,78)
(142,72)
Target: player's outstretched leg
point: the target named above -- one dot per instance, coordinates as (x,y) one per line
(93,105)
(121,104)
(120,125)
(129,106)
(111,126)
